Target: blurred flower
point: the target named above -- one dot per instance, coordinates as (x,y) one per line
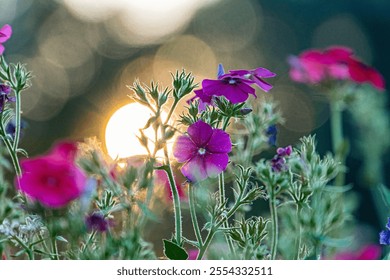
(162,179)
(53,179)
(97,221)
(384,235)
(272,132)
(204,151)
(235,88)
(193,254)
(338,63)
(278,163)
(5,90)
(368,252)
(257,75)
(10,129)
(5,34)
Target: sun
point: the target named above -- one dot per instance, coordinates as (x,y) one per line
(122,130)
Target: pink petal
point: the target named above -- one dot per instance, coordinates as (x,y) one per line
(5,33)
(262,84)
(219,142)
(184,149)
(200,133)
(370,252)
(215,163)
(263,73)
(376,79)
(194,170)
(66,150)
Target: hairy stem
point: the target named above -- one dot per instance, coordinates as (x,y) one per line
(191,196)
(274,219)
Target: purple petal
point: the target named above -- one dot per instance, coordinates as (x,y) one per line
(184,149)
(262,84)
(215,164)
(219,142)
(234,94)
(5,33)
(263,73)
(221,71)
(200,133)
(240,72)
(194,170)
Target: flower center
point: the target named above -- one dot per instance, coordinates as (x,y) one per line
(202,151)
(232,81)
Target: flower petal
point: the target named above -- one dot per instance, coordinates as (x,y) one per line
(262,84)
(5,33)
(263,73)
(194,170)
(219,142)
(200,133)
(184,149)
(215,164)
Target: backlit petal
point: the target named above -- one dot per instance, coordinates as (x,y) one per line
(215,164)
(200,133)
(184,149)
(219,142)
(194,170)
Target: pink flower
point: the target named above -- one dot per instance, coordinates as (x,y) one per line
(204,151)
(53,179)
(368,252)
(235,88)
(162,179)
(338,63)
(257,75)
(5,34)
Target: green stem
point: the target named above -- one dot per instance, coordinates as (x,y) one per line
(54,248)
(171,111)
(336,124)
(191,196)
(222,199)
(299,229)
(24,246)
(90,238)
(206,244)
(274,218)
(176,204)
(18,113)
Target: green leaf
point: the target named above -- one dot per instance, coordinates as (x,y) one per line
(173,251)
(61,238)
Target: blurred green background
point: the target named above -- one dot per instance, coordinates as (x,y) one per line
(83,53)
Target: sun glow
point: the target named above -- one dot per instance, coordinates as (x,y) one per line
(123,128)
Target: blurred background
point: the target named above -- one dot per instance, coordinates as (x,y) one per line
(83,53)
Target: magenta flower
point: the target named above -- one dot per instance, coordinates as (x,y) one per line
(5,34)
(368,252)
(256,75)
(337,63)
(97,221)
(235,88)
(203,98)
(204,151)
(54,179)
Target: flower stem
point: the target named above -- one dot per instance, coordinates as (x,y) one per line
(176,204)
(336,124)
(274,218)
(29,252)
(54,248)
(18,113)
(191,196)
(222,199)
(299,229)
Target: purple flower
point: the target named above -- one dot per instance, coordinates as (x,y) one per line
(278,163)
(5,90)
(5,34)
(384,235)
(97,221)
(256,75)
(235,88)
(204,151)
(204,99)
(10,129)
